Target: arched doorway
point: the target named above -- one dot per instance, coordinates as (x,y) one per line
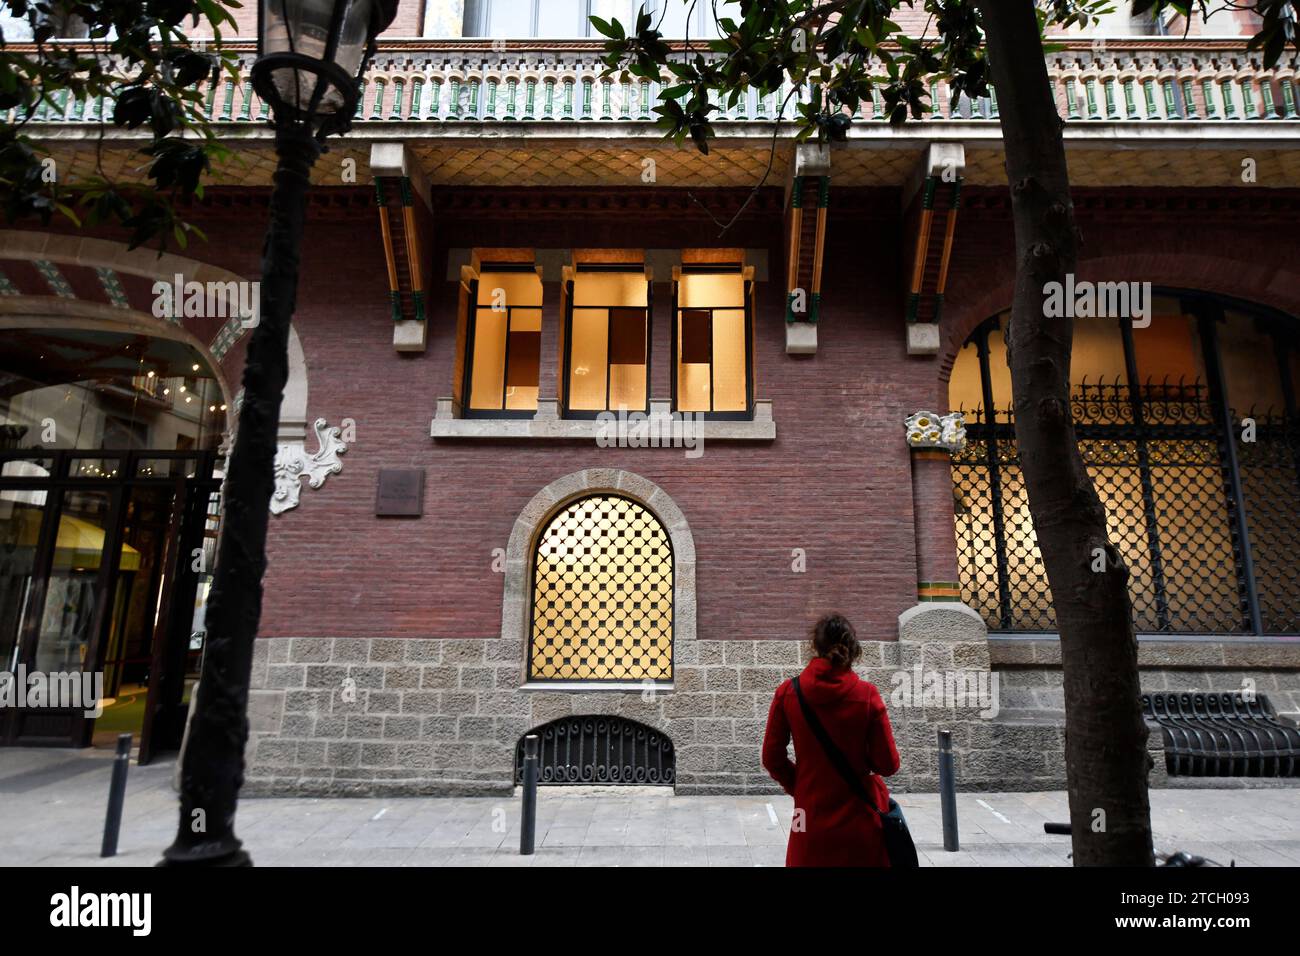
(1188,426)
(110,429)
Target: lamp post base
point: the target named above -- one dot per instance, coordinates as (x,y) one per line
(205,856)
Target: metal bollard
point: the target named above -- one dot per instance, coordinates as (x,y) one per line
(116,796)
(948,792)
(528,826)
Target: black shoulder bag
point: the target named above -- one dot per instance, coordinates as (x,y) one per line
(898,841)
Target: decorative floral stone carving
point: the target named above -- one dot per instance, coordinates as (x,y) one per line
(928,430)
(292,464)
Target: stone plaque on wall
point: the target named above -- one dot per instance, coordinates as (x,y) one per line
(400,493)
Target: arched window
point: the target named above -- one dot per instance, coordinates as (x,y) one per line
(602,594)
(1187,423)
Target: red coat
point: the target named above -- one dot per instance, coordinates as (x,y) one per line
(834,828)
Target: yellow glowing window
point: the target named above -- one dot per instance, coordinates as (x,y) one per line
(602,595)
(714,371)
(504,344)
(607,342)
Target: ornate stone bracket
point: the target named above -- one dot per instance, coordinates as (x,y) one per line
(933,196)
(928,430)
(807,195)
(292,463)
(406,228)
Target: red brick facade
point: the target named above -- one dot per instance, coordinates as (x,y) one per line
(834,483)
(837,481)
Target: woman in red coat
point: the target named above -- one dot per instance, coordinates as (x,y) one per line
(832,826)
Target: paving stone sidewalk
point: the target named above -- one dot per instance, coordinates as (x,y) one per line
(54,803)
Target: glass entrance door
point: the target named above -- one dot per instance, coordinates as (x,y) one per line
(101,564)
(138,619)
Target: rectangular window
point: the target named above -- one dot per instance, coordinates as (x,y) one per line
(504,343)
(559,19)
(713,342)
(607,340)
(677,20)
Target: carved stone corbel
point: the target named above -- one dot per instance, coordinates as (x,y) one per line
(928,430)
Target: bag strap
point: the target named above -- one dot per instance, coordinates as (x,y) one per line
(837,758)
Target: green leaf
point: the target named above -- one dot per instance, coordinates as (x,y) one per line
(612,30)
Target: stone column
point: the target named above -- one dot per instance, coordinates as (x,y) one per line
(933,438)
(661,266)
(550,263)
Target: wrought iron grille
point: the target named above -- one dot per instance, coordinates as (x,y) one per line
(1223,735)
(602,595)
(1270,477)
(1160,462)
(600,750)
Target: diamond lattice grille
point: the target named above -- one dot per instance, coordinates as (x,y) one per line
(602,595)
(1169,511)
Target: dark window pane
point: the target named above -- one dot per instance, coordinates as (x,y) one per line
(696,337)
(627,337)
(525,358)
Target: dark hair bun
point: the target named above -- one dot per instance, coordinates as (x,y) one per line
(833,638)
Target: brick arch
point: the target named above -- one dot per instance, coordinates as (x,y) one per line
(221,342)
(30,312)
(516,605)
(1262,283)
(137,270)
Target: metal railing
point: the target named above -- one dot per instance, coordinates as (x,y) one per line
(1146,80)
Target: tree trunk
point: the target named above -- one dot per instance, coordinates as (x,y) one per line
(212,769)
(1105,735)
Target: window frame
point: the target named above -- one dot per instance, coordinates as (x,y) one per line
(481,12)
(747,414)
(704,29)
(566,369)
(471,325)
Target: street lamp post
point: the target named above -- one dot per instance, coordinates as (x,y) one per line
(311,54)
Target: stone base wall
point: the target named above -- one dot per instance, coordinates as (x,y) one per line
(1029,673)
(1034,693)
(337,716)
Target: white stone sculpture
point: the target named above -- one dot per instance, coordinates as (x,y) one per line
(292,464)
(928,430)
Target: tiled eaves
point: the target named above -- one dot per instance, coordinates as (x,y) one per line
(547,153)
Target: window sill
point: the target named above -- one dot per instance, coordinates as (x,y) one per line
(547,425)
